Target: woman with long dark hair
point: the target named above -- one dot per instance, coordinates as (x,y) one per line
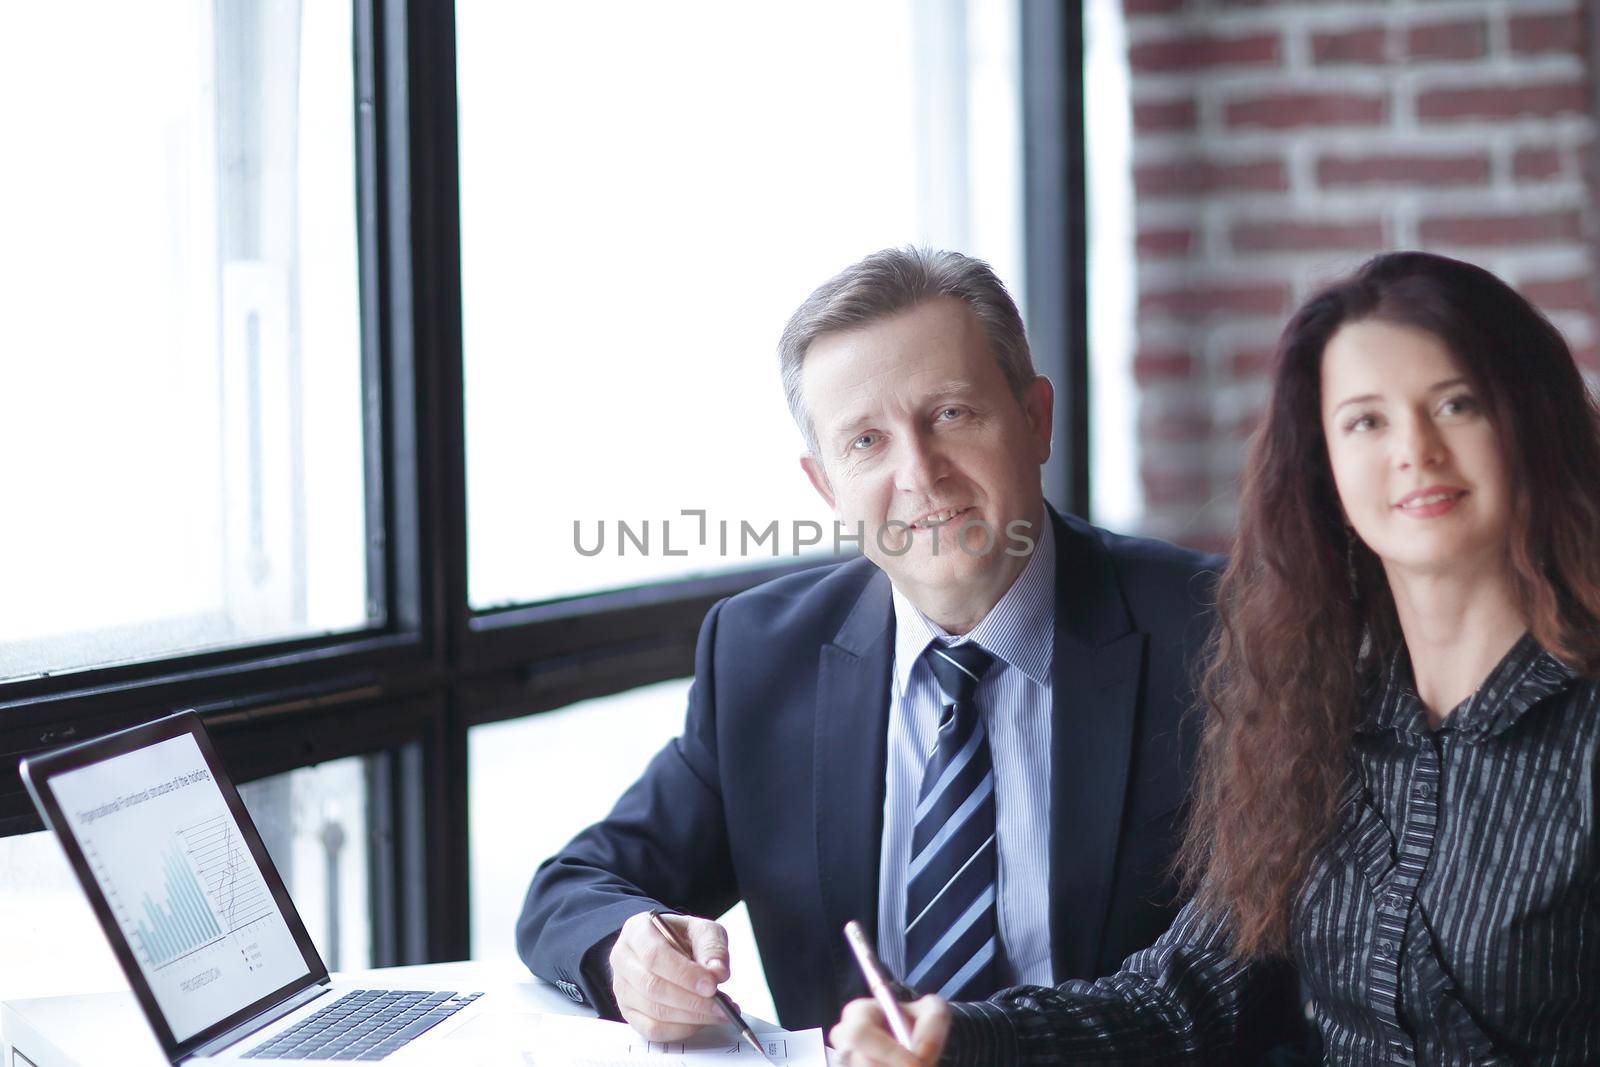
(1398,790)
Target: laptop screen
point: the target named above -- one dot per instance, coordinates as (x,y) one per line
(177,875)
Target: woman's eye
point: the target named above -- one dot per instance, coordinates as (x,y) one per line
(1361,424)
(1458,405)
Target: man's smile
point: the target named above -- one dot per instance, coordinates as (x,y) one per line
(935,519)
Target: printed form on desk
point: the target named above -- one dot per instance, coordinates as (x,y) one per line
(506,1039)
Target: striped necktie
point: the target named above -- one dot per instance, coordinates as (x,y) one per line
(952,938)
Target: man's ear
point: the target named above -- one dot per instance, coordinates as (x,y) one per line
(819,477)
(1039,404)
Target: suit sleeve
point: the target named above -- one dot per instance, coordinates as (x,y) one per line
(664,846)
(1184,1000)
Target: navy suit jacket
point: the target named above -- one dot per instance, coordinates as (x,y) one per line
(774,792)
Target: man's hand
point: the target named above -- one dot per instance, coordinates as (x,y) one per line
(862,1036)
(661,992)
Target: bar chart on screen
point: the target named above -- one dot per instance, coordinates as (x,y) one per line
(181,882)
(210,891)
(179,923)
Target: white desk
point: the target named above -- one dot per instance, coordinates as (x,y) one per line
(108,1030)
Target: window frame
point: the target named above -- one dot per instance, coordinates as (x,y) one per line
(1055,210)
(405,693)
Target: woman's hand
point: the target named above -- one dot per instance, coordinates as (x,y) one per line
(862,1037)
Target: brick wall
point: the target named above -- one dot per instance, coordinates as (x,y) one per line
(1277,145)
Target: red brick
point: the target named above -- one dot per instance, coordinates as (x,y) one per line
(1166,242)
(1536,164)
(1501,101)
(1161,116)
(1448,40)
(1155,365)
(1250,362)
(1178,423)
(1404,169)
(1242,426)
(1198,176)
(1531,34)
(1200,301)
(1561,294)
(1282,3)
(1513,229)
(1134,8)
(1171,485)
(1367,45)
(1290,235)
(1203,52)
(1288,110)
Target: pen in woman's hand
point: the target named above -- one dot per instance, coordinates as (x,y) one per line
(884,988)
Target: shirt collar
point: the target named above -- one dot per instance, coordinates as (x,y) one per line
(1524,676)
(1019,629)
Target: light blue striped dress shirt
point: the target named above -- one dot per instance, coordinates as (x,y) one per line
(1014,699)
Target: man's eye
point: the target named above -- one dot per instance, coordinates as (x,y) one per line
(949,413)
(864,441)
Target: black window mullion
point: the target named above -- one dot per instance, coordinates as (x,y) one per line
(1054,233)
(435,263)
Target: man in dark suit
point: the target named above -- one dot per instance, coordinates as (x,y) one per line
(973,740)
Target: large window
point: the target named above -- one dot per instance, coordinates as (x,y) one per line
(334,332)
(581,758)
(180,403)
(586,755)
(647,191)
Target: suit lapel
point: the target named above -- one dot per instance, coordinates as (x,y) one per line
(851,746)
(1099,660)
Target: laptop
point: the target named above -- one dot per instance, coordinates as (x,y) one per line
(198,917)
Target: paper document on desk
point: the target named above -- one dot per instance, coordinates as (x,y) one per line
(569,1041)
(565,1040)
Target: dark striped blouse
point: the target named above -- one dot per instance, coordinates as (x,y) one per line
(1454,918)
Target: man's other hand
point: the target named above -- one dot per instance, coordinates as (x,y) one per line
(862,1037)
(661,992)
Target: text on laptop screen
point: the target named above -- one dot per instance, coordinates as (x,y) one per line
(185,890)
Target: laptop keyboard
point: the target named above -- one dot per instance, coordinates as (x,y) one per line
(365,1024)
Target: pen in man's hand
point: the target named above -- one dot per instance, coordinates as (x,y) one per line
(722,999)
(883,987)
